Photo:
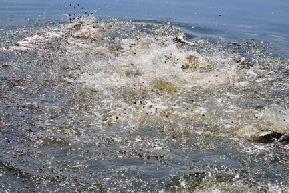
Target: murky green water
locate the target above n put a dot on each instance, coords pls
(134, 106)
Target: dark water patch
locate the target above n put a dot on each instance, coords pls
(270, 137)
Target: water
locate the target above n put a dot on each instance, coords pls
(155, 96)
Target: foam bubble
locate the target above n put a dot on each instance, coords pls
(277, 116)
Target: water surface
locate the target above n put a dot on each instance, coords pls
(157, 96)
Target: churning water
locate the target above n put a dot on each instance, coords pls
(119, 105)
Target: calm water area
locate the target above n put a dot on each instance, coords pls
(144, 96)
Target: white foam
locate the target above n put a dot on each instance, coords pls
(277, 116)
(37, 41)
(156, 59)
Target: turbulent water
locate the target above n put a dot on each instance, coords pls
(123, 106)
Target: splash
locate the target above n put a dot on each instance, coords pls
(112, 99)
(151, 71)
